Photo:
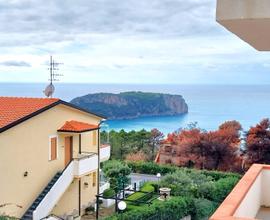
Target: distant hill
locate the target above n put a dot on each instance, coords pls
(127, 105)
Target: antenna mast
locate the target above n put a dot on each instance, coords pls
(49, 90)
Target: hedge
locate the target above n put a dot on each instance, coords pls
(222, 188)
(203, 209)
(175, 208)
(143, 197)
(153, 168)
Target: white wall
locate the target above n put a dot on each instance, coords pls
(265, 200)
(252, 201)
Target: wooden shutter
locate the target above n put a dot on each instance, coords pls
(53, 148)
(95, 138)
(94, 179)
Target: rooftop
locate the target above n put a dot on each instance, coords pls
(76, 126)
(14, 108)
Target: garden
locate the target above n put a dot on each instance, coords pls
(195, 193)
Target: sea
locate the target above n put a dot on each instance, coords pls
(209, 105)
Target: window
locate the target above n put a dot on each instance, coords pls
(94, 179)
(53, 148)
(94, 137)
(168, 149)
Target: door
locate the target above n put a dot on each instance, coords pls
(68, 150)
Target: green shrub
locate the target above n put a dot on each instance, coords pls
(108, 193)
(187, 184)
(222, 188)
(216, 175)
(117, 172)
(203, 209)
(175, 208)
(153, 168)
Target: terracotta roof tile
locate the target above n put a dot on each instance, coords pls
(15, 108)
(76, 126)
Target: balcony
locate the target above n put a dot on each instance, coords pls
(105, 152)
(85, 163)
(250, 199)
(248, 19)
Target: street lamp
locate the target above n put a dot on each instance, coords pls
(122, 205)
(158, 176)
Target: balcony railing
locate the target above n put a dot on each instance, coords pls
(105, 152)
(85, 163)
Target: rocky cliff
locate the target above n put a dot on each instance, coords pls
(128, 105)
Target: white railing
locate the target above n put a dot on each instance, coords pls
(105, 152)
(52, 197)
(82, 165)
(85, 164)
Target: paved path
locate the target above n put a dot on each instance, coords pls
(137, 178)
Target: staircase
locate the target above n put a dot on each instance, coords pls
(28, 215)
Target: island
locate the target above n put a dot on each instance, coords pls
(129, 105)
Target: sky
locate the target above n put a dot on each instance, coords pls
(124, 41)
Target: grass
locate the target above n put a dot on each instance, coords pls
(148, 188)
(144, 196)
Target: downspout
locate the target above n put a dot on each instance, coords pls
(80, 197)
(80, 143)
(98, 171)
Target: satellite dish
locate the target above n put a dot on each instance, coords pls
(49, 90)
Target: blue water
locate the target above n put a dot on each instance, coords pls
(209, 105)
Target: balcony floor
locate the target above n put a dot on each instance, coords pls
(263, 214)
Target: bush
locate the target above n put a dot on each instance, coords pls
(203, 209)
(222, 188)
(175, 208)
(153, 168)
(187, 184)
(108, 193)
(117, 172)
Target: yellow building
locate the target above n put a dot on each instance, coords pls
(49, 158)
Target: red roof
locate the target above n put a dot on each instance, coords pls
(13, 109)
(76, 126)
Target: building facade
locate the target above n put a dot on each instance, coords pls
(49, 160)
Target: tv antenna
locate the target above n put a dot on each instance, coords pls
(53, 67)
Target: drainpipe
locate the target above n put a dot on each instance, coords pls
(80, 143)
(79, 197)
(98, 172)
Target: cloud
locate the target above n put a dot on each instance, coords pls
(15, 63)
(119, 41)
(29, 22)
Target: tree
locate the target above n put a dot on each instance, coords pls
(117, 173)
(208, 150)
(156, 137)
(258, 143)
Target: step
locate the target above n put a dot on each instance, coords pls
(27, 217)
